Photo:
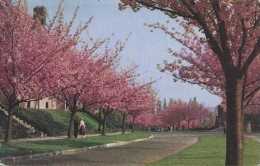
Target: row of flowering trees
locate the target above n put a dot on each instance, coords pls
(178, 114)
(39, 60)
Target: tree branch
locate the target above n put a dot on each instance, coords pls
(251, 57)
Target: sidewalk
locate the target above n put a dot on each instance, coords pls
(58, 137)
(254, 137)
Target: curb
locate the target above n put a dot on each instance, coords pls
(193, 142)
(58, 137)
(71, 151)
(253, 137)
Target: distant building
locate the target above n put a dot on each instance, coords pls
(47, 103)
(23, 5)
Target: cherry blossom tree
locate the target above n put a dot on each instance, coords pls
(73, 77)
(148, 120)
(179, 114)
(196, 112)
(174, 114)
(206, 72)
(132, 93)
(113, 93)
(144, 102)
(229, 31)
(27, 51)
(79, 79)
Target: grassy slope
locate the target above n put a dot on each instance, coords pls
(63, 117)
(55, 145)
(53, 122)
(210, 151)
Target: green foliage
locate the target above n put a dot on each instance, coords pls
(210, 151)
(53, 122)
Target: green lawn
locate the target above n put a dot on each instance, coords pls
(210, 151)
(53, 122)
(24, 148)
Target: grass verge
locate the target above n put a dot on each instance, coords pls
(210, 151)
(25, 148)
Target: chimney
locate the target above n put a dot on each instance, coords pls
(23, 5)
(40, 14)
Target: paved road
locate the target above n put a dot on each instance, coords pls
(136, 154)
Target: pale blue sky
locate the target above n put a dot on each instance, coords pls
(144, 48)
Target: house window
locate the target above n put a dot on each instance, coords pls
(46, 105)
(28, 104)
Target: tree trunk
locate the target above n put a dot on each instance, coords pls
(71, 124)
(123, 123)
(76, 128)
(99, 120)
(8, 131)
(234, 131)
(103, 132)
(133, 125)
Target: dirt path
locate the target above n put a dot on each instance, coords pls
(136, 154)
